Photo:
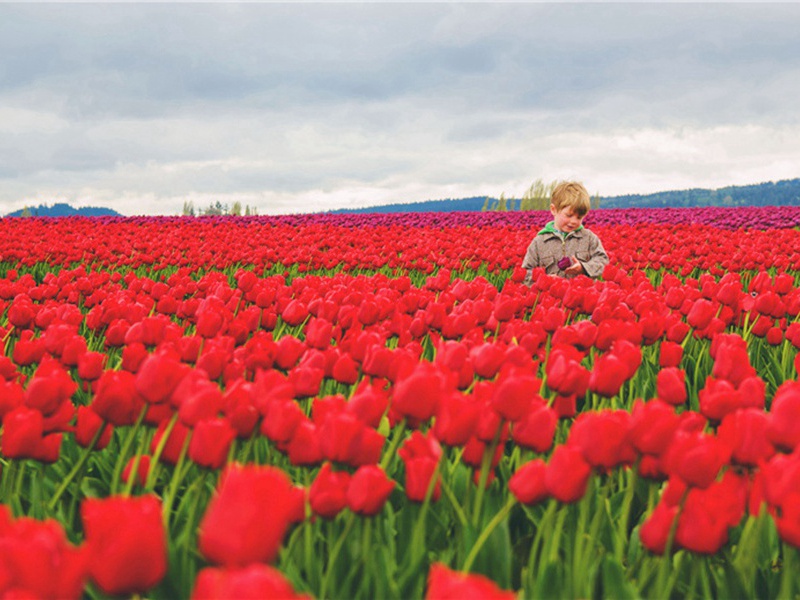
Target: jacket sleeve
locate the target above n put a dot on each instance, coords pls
(598, 259)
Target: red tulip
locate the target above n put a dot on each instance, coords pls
(328, 493)
(116, 399)
(50, 386)
(655, 530)
(565, 374)
(418, 394)
(671, 386)
(456, 419)
(783, 428)
(133, 356)
(745, 432)
(536, 429)
(210, 442)
(251, 581)
(304, 446)
(126, 543)
(652, 426)
(421, 455)
(38, 561)
(696, 458)
(369, 490)
(515, 390)
(444, 584)
(87, 426)
(369, 403)
(567, 474)
(486, 359)
(158, 376)
(12, 395)
(234, 530)
(602, 438)
(90, 365)
(608, 375)
(528, 482)
(701, 313)
(670, 354)
(23, 433)
(707, 514)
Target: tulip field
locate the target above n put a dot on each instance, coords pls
(377, 406)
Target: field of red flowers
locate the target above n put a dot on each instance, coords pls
(376, 406)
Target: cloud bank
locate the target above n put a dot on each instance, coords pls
(311, 107)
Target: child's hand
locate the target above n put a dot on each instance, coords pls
(575, 269)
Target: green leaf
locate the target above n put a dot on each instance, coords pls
(550, 581)
(91, 487)
(614, 583)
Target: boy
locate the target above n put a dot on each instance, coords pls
(565, 247)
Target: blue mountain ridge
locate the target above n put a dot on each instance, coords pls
(63, 209)
(781, 193)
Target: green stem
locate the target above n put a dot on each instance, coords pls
(335, 554)
(175, 482)
(36, 485)
(366, 555)
(462, 516)
(788, 573)
(488, 530)
(9, 474)
(556, 539)
(134, 472)
(666, 560)
(75, 469)
(622, 531)
(582, 540)
(388, 457)
(308, 538)
(544, 526)
(162, 442)
(417, 547)
(17, 494)
(486, 465)
(417, 536)
(126, 446)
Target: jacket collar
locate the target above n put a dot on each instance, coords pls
(551, 228)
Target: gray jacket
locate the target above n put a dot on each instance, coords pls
(549, 246)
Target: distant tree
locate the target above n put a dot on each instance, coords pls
(236, 209)
(537, 197)
(246, 210)
(485, 206)
(26, 212)
(188, 208)
(595, 202)
(502, 205)
(216, 209)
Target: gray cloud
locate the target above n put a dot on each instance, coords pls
(313, 106)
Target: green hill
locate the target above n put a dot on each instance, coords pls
(779, 193)
(65, 210)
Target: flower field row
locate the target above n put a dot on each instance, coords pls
(400, 244)
(339, 407)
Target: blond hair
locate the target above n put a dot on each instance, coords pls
(572, 194)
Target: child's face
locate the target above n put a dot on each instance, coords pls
(566, 219)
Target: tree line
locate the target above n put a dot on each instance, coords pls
(218, 208)
(536, 197)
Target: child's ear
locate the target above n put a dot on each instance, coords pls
(553, 209)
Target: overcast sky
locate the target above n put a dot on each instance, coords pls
(315, 106)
